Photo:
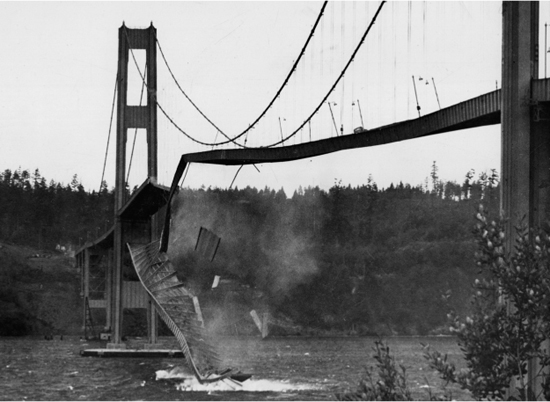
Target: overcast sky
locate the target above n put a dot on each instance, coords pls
(59, 62)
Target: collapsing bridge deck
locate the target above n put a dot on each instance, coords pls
(480, 111)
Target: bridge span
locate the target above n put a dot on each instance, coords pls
(522, 106)
(476, 112)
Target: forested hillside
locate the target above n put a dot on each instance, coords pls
(40, 214)
(368, 259)
(351, 258)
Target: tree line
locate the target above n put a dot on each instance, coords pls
(361, 258)
(43, 214)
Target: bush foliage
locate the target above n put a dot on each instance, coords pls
(385, 382)
(509, 319)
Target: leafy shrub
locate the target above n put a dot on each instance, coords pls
(391, 384)
(500, 338)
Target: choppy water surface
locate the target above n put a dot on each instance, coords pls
(283, 369)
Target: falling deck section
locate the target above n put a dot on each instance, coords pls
(177, 308)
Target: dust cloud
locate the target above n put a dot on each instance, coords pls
(255, 250)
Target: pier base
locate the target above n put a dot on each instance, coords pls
(142, 353)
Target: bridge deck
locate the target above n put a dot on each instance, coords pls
(480, 111)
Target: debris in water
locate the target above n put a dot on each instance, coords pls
(175, 372)
(190, 383)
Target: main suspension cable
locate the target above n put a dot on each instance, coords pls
(185, 94)
(285, 82)
(337, 80)
(302, 125)
(155, 97)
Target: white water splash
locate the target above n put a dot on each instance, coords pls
(190, 383)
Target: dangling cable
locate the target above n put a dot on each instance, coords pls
(416, 96)
(215, 138)
(436, 95)
(360, 114)
(236, 174)
(333, 120)
(185, 174)
(109, 136)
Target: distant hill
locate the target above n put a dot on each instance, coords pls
(39, 292)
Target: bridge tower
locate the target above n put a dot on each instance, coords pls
(521, 134)
(525, 129)
(132, 117)
(109, 281)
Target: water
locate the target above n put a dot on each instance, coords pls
(293, 368)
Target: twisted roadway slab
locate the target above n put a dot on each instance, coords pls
(476, 112)
(481, 111)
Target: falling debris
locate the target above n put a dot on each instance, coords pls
(262, 324)
(256, 319)
(265, 329)
(198, 309)
(207, 244)
(176, 307)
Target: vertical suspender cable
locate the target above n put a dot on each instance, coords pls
(394, 51)
(322, 57)
(353, 67)
(361, 41)
(109, 136)
(343, 42)
(409, 16)
(416, 96)
(366, 72)
(312, 80)
(253, 124)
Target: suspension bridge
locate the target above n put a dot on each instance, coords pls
(142, 222)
